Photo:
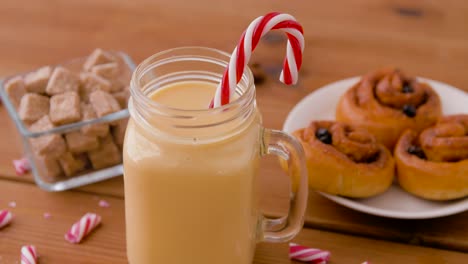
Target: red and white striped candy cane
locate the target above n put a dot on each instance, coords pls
(248, 42)
(308, 255)
(82, 228)
(5, 217)
(22, 166)
(28, 255)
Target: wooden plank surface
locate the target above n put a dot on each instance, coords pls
(107, 243)
(343, 38)
(447, 232)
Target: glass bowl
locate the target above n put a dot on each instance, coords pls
(89, 175)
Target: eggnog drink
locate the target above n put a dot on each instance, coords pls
(190, 200)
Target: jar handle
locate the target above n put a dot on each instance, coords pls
(288, 148)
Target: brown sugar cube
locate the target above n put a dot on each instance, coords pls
(83, 157)
(36, 82)
(41, 125)
(111, 72)
(15, 90)
(103, 103)
(122, 97)
(107, 155)
(61, 81)
(108, 71)
(33, 107)
(70, 164)
(117, 86)
(78, 142)
(97, 57)
(65, 108)
(52, 145)
(91, 82)
(118, 131)
(100, 130)
(48, 167)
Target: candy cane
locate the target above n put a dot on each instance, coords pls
(309, 255)
(248, 42)
(22, 166)
(82, 228)
(5, 217)
(28, 255)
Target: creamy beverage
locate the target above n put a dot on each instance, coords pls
(186, 201)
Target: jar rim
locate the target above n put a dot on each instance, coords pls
(140, 70)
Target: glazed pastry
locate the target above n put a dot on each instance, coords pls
(344, 160)
(386, 102)
(434, 164)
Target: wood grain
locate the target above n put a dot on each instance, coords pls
(343, 39)
(107, 243)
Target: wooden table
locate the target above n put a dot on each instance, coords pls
(343, 38)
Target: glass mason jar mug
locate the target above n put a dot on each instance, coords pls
(190, 174)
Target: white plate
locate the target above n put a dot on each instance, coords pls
(394, 203)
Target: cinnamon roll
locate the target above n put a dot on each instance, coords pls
(386, 102)
(345, 160)
(433, 164)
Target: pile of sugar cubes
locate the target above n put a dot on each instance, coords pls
(50, 97)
